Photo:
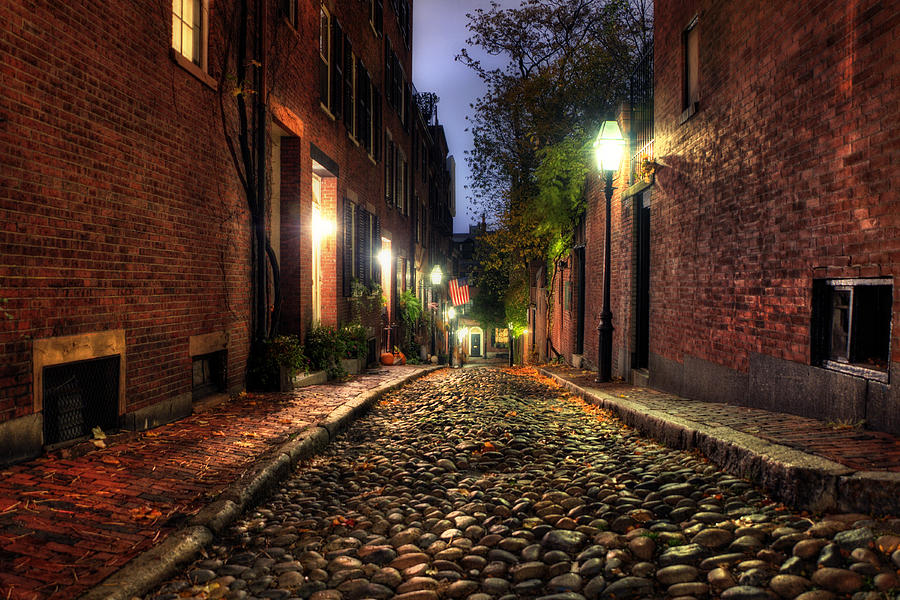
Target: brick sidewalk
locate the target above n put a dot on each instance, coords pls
(856, 448)
(69, 521)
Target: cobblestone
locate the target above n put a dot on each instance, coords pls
(547, 497)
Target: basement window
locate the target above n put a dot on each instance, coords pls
(79, 396)
(851, 326)
(209, 372)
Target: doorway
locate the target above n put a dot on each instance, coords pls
(316, 250)
(641, 354)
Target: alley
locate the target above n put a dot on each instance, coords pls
(486, 483)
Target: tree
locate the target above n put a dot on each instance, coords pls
(563, 65)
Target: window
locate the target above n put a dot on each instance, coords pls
(401, 188)
(350, 91)
(189, 30)
(567, 295)
(324, 56)
(288, 10)
(851, 326)
(691, 78)
(376, 15)
(390, 180)
(361, 245)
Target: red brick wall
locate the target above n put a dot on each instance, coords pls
(785, 173)
(117, 204)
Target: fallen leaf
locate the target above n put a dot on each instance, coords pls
(99, 443)
(98, 433)
(110, 460)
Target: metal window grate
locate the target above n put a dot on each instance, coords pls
(79, 396)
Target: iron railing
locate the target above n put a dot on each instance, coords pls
(640, 98)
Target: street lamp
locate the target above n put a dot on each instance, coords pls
(608, 149)
(436, 276)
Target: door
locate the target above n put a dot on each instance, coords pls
(475, 344)
(642, 281)
(316, 250)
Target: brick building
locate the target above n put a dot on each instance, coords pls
(773, 222)
(124, 234)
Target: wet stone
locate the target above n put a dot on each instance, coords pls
(789, 586)
(565, 540)
(676, 574)
(570, 582)
(855, 538)
(687, 554)
(628, 588)
(745, 592)
(841, 581)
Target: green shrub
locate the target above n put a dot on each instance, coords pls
(266, 359)
(355, 340)
(324, 347)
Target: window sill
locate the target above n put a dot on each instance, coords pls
(689, 112)
(856, 371)
(204, 77)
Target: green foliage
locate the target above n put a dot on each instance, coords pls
(364, 299)
(325, 348)
(267, 358)
(410, 309)
(354, 338)
(562, 66)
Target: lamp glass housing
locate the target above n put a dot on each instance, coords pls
(609, 147)
(451, 312)
(436, 275)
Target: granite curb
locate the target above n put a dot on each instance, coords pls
(151, 568)
(789, 475)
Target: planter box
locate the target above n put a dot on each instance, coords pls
(353, 365)
(314, 378)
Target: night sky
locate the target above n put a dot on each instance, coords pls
(439, 32)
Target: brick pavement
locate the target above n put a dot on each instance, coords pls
(74, 516)
(854, 447)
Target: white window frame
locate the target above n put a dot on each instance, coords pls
(200, 30)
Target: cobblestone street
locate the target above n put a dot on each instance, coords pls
(495, 484)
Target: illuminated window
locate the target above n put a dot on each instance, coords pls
(189, 27)
(691, 87)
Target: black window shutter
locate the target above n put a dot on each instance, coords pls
(362, 246)
(379, 16)
(337, 68)
(376, 116)
(362, 100)
(388, 69)
(347, 250)
(348, 87)
(376, 250)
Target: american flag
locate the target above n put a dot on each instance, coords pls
(459, 291)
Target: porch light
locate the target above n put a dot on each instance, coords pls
(451, 313)
(384, 257)
(436, 275)
(609, 147)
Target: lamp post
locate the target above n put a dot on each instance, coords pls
(608, 149)
(436, 276)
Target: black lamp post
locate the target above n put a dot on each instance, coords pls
(608, 148)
